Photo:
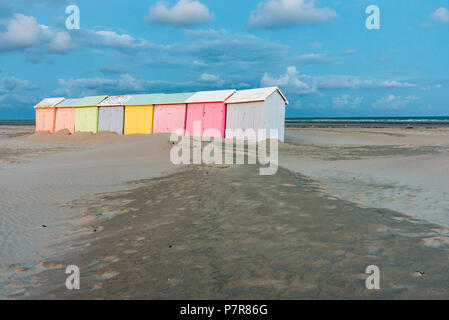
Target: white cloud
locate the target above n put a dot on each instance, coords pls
(127, 84)
(349, 52)
(313, 58)
(61, 43)
(394, 84)
(103, 39)
(355, 82)
(107, 69)
(441, 14)
(346, 101)
(316, 44)
(393, 102)
(94, 85)
(21, 32)
(297, 83)
(184, 13)
(114, 40)
(289, 13)
(290, 82)
(205, 33)
(11, 84)
(235, 52)
(427, 25)
(206, 77)
(14, 91)
(24, 32)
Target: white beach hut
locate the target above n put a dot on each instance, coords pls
(262, 108)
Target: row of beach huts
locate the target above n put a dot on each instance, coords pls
(262, 108)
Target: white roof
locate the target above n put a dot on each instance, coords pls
(210, 96)
(115, 101)
(254, 95)
(49, 103)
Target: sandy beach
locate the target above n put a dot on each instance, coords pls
(139, 227)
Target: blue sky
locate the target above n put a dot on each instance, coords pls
(320, 53)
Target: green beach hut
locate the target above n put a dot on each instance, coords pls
(86, 114)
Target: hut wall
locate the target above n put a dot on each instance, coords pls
(247, 115)
(65, 119)
(168, 118)
(212, 116)
(274, 115)
(138, 119)
(45, 119)
(86, 119)
(111, 119)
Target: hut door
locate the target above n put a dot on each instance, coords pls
(214, 118)
(195, 113)
(116, 119)
(110, 120)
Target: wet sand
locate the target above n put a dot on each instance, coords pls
(396, 169)
(225, 232)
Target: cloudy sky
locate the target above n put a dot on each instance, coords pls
(320, 52)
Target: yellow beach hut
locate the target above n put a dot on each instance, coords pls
(139, 112)
(86, 114)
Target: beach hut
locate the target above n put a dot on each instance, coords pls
(262, 108)
(46, 114)
(65, 115)
(170, 112)
(209, 109)
(86, 114)
(139, 113)
(111, 114)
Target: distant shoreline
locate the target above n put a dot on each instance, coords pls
(374, 122)
(16, 122)
(356, 122)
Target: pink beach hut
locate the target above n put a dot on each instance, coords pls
(46, 114)
(170, 112)
(65, 115)
(207, 108)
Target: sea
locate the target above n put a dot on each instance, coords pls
(364, 122)
(375, 122)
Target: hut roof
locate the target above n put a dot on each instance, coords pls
(254, 95)
(144, 99)
(174, 98)
(68, 103)
(49, 103)
(90, 101)
(115, 101)
(211, 96)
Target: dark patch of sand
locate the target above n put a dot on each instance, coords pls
(331, 153)
(229, 233)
